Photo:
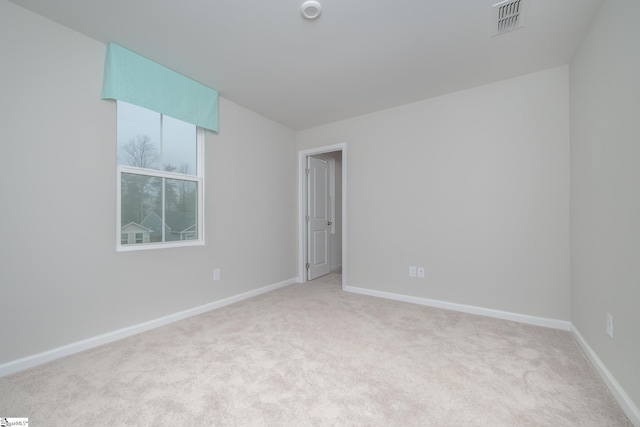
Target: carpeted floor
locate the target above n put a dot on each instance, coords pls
(311, 354)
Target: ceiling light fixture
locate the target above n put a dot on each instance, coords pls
(311, 9)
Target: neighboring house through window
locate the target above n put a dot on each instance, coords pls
(134, 233)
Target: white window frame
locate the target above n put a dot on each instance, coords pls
(198, 178)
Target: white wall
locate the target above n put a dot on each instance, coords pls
(474, 186)
(61, 280)
(605, 197)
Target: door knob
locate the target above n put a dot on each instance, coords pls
(329, 223)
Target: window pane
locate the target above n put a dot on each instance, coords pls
(141, 207)
(181, 202)
(178, 146)
(142, 214)
(147, 139)
(138, 137)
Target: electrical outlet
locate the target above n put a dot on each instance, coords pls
(421, 272)
(610, 325)
(216, 274)
(412, 271)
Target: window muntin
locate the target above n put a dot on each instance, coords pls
(160, 180)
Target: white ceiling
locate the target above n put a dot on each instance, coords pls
(360, 56)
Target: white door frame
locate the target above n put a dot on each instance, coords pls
(302, 200)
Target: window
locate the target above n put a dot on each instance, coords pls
(160, 180)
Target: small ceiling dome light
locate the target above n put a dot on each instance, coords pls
(311, 9)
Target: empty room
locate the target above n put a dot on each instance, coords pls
(389, 213)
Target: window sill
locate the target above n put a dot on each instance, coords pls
(147, 246)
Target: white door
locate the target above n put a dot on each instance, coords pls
(318, 218)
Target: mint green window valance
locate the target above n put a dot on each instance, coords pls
(137, 80)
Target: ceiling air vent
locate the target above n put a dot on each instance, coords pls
(508, 15)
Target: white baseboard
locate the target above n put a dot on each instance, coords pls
(623, 399)
(56, 353)
(522, 318)
(336, 267)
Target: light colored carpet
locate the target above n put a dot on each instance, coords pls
(311, 354)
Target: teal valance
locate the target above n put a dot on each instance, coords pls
(137, 80)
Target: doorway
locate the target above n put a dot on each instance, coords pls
(322, 185)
